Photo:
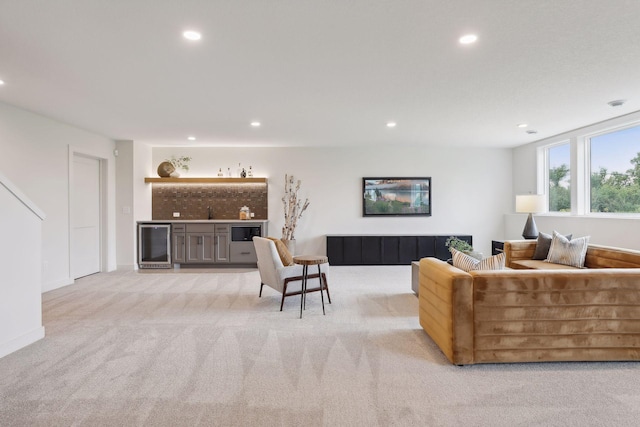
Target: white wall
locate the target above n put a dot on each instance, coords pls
(124, 204)
(620, 232)
(471, 188)
(604, 230)
(35, 156)
(20, 254)
(133, 199)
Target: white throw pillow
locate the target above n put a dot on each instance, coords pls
(468, 263)
(568, 252)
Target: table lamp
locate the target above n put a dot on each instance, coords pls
(530, 203)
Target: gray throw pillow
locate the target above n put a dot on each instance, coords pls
(543, 245)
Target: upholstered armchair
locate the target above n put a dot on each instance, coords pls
(286, 279)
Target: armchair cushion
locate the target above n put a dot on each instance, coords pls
(283, 251)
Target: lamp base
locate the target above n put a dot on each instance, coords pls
(530, 230)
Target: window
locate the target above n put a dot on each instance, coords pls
(559, 174)
(615, 171)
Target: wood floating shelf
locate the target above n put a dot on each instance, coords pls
(206, 180)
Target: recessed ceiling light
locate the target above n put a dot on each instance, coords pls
(523, 125)
(191, 138)
(391, 124)
(256, 124)
(468, 39)
(617, 102)
(192, 35)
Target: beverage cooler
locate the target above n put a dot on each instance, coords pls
(154, 245)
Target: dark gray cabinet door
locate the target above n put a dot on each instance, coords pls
(222, 247)
(179, 248)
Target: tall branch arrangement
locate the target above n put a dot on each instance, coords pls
(293, 209)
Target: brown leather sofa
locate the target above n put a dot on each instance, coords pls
(534, 312)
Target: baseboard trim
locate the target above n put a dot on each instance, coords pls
(46, 287)
(21, 341)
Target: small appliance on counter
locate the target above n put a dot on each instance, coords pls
(245, 213)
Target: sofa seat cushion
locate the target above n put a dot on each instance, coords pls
(534, 264)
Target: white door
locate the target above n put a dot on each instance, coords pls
(85, 216)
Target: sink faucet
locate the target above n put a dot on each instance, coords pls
(209, 213)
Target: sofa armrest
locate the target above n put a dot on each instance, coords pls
(446, 308)
(518, 250)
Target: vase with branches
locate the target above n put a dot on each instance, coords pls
(293, 208)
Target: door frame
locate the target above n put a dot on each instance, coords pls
(103, 166)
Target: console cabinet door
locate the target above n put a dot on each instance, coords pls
(335, 250)
(387, 250)
(352, 250)
(371, 250)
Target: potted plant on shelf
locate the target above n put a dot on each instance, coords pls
(179, 163)
(455, 243)
(293, 209)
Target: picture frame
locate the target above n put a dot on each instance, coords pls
(396, 196)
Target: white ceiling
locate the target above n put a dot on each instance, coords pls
(322, 72)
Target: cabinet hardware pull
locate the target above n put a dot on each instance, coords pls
(245, 253)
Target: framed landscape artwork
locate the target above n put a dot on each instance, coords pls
(396, 196)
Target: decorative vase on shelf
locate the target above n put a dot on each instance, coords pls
(165, 169)
(175, 174)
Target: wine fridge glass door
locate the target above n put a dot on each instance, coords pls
(154, 248)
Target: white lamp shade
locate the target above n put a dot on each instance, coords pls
(530, 203)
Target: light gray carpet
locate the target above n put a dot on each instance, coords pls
(200, 348)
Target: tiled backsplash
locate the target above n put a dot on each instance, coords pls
(192, 200)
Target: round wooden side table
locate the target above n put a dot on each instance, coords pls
(305, 261)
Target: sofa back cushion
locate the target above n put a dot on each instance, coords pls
(599, 256)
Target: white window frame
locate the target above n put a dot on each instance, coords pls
(579, 167)
(543, 172)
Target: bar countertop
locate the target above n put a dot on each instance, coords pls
(203, 221)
